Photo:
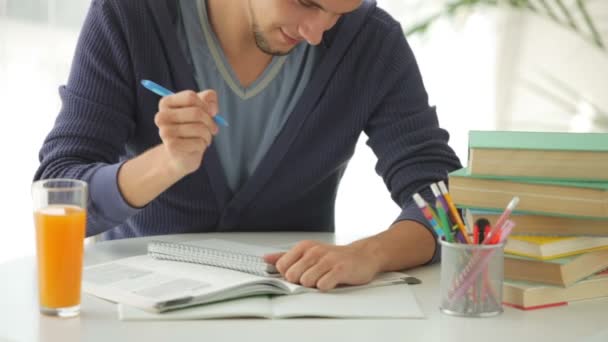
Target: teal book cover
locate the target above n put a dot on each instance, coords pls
(539, 197)
(550, 141)
(464, 172)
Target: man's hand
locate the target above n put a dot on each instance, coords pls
(324, 266)
(186, 127)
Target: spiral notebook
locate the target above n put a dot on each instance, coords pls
(216, 252)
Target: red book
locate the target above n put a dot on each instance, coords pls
(528, 308)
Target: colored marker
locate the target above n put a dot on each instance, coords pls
(428, 213)
(507, 228)
(455, 215)
(476, 234)
(443, 218)
(162, 91)
(502, 219)
(439, 196)
(484, 227)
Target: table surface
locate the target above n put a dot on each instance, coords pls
(20, 321)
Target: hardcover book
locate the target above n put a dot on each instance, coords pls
(541, 155)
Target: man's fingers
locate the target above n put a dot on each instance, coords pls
(186, 116)
(186, 98)
(273, 258)
(206, 100)
(294, 255)
(295, 271)
(193, 130)
(209, 99)
(329, 280)
(181, 115)
(311, 277)
(288, 259)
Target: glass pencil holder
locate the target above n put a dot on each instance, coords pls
(471, 279)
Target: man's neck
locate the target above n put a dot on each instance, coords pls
(231, 22)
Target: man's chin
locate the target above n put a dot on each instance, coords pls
(277, 49)
(276, 52)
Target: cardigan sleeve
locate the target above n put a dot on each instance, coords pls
(404, 132)
(96, 118)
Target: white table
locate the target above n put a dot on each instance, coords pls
(20, 321)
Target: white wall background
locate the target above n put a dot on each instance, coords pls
(459, 66)
(550, 78)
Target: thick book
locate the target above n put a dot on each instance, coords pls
(546, 225)
(540, 155)
(393, 301)
(155, 285)
(532, 296)
(560, 272)
(217, 252)
(552, 247)
(569, 199)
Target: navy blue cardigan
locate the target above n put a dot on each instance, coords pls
(367, 82)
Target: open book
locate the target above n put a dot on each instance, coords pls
(161, 285)
(394, 301)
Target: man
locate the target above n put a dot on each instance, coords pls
(297, 80)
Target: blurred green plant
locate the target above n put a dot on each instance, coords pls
(574, 16)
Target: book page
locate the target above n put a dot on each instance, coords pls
(257, 306)
(395, 301)
(392, 301)
(157, 285)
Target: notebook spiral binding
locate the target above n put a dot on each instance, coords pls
(212, 257)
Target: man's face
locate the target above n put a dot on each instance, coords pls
(279, 25)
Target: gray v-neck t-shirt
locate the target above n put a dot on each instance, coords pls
(256, 113)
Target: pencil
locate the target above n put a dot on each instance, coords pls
(502, 219)
(455, 215)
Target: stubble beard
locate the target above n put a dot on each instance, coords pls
(260, 40)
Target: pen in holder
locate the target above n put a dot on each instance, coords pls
(471, 279)
(472, 275)
(471, 271)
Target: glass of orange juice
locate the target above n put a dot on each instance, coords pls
(60, 220)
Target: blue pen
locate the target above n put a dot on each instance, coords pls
(162, 91)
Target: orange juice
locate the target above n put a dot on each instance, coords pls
(60, 231)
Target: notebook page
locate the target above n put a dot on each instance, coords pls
(145, 282)
(235, 247)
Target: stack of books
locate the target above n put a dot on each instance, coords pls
(559, 248)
